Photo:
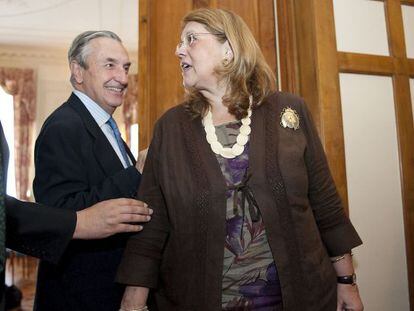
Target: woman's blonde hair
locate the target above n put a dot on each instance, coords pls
(247, 73)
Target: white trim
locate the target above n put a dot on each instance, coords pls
(278, 72)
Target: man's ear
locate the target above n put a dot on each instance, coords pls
(77, 72)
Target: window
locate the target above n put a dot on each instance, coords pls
(134, 134)
(7, 121)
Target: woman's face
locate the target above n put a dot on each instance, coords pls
(200, 53)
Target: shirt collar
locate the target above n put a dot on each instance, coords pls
(99, 114)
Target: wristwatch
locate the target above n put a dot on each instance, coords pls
(347, 279)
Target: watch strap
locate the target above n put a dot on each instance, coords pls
(347, 279)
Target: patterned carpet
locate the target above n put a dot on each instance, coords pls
(21, 271)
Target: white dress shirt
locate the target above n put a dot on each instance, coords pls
(101, 117)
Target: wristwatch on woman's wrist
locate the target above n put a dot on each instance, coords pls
(347, 279)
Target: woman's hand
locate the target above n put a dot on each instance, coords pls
(348, 294)
(348, 298)
(135, 298)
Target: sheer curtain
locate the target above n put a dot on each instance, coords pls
(21, 84)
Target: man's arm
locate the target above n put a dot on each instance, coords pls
(45, 232)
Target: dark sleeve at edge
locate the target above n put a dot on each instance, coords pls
(37, 230)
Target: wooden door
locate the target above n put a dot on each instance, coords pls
(160, 82)
(325, 67)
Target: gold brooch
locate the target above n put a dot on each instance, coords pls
(289, 118)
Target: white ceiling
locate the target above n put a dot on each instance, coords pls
(55, 23)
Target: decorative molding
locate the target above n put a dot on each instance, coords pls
(22, 7)
(47, 55)
(24, 53)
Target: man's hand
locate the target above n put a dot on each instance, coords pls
(142, 156)
(110, 217)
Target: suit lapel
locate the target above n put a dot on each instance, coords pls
(130, 155)
(104, 153)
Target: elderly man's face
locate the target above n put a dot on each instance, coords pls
(106, 78)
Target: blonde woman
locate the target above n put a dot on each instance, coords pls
(246, 214)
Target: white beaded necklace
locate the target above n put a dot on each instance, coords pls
(242, 138)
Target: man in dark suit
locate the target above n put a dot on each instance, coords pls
(45, 232)
(80, 159)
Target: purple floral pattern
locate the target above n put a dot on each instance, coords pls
(250, 279)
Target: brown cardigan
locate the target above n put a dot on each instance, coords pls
(180, 252)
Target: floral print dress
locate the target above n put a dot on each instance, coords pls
(250, 279)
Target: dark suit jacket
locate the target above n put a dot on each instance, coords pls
(35, 230)
(76, 167)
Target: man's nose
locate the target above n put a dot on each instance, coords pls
(122, 76)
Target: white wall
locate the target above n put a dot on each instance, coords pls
(52, 78)
(37, 34)
(408, 19)
(374, 188)
(366, 32)
(54, 23)
(412, 94)
(372, 160)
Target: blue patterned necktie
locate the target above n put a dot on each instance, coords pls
(2, 215)
(119, 140)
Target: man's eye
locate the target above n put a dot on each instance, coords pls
(109, 65)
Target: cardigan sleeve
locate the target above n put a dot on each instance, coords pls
(142, 256)
(337, 232)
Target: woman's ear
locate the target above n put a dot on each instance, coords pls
(228, 52)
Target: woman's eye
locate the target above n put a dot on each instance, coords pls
(191, 39)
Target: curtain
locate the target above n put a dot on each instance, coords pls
(21, 84)
(130, 106)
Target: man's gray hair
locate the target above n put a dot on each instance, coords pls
(79, 50)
